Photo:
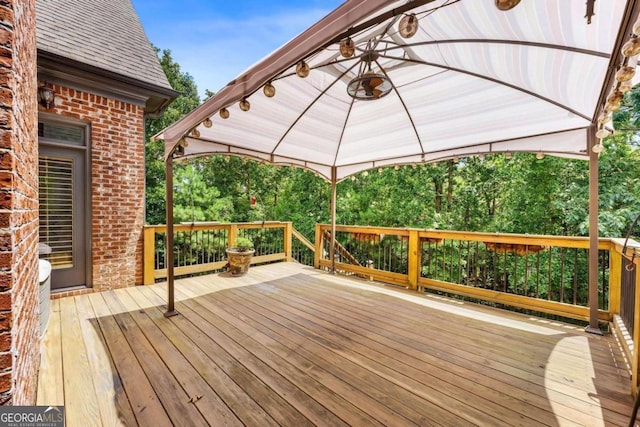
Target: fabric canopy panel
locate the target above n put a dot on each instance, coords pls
(473, 79)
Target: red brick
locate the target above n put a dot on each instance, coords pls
(5, 382)
(5, 342)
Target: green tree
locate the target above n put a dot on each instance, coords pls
(154, 150)
(195, 200)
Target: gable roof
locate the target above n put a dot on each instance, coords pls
(105, 34)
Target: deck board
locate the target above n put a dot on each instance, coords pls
(143, 400)
(108, 386)
(255, 383)
(50, 391)
(289, 345)
(80, 398)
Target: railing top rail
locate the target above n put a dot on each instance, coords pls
(217, 225)
(632, 246)
(530, 239)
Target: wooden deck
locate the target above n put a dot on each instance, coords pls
(292, 346)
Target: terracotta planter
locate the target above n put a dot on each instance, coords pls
(238, 261)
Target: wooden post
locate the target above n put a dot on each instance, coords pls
(149, 255)
(615, 280)
(288, 241)
(413, 267)
(317, 254)
(233, 235)
(635, 363)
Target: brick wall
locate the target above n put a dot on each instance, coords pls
(19, 340)
(117, 183)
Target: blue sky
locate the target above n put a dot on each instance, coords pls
(216, 40)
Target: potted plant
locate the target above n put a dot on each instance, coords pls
(239, 256)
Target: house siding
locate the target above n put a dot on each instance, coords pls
(117, 183)
(19, 331)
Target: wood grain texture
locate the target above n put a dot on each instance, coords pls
(80, 398)
(50, 379)
(290, 345)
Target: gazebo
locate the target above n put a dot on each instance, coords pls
(378, 83)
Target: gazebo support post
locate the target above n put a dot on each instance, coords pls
(171, 311)
(332, 248)
(593, 234)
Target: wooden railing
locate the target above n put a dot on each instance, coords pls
(540, 273)
(200, 247)
(625, 266)
(302, 250)
(546, 274)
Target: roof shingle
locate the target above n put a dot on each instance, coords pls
(103, 33)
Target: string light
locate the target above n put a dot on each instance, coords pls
(631, 47)
(602, 133)
(347, 47)
(408, 26)
(269, 90)
(302, 69)
(506, 4)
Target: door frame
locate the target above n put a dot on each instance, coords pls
(86, 148)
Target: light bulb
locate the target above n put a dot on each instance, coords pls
(631, 47)
(625, 87)
(636, 27)
(598, 148)
(302, 69)
(207, 122)
(612, 106)
(244, 104)
(195, 133)
(615, 97)
(539, 155)
(604, 118)
(625, 73)
(602, 133)
(224, 113)
(347, 47)
(506, 4)
(408, 26)
(269, 90)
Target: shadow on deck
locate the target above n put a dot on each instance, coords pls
(289, 345)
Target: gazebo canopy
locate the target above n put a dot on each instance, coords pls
(473, 79)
